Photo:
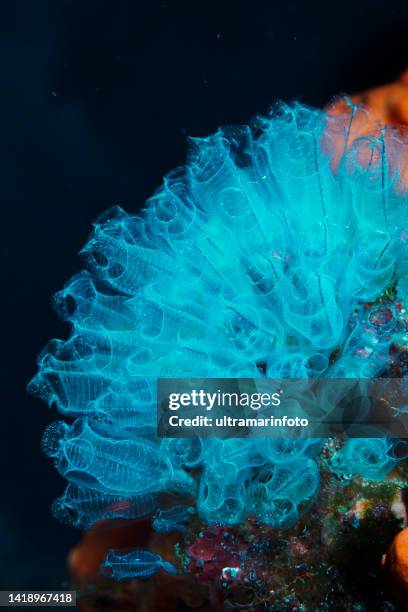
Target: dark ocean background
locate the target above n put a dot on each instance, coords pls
(96, 101)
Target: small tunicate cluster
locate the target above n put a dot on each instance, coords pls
(121, 565)
(175, 518)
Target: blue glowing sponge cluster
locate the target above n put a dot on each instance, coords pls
(266, 255)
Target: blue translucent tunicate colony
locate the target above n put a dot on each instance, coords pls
(257, 258)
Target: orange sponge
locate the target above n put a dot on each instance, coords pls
(395, 562)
